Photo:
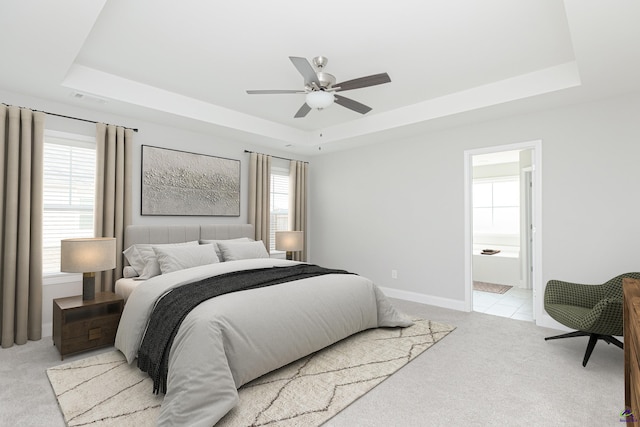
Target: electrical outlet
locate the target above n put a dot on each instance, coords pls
(394, 274)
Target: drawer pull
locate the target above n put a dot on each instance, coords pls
(95, 333)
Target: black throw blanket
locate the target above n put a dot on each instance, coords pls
(173, 307)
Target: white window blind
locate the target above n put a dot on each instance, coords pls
(496, 205)
(279, 204)
(69, 188)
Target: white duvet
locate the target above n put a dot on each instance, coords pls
(232, 339)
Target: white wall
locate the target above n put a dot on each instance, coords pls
(500, 169)
(400, 205)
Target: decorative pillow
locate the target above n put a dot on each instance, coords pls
(128, 272)
(233, 251)
(181, 257)
(140, 254)
(151, 269)
(215, 244)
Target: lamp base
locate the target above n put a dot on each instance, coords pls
(289, 255)
(88, 286)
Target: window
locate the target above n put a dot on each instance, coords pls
(279, 204)
(496, 205)
(69, 189)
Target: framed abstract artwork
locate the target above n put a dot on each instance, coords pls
(181, 183)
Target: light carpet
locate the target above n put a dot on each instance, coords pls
(104, 390)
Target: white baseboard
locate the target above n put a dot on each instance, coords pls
(424, 299)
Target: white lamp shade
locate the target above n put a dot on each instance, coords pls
(88, 255)
(290, 241)
(319, 99)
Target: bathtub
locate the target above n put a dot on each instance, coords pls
(502, 268)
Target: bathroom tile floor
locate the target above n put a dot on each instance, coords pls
(516, 303)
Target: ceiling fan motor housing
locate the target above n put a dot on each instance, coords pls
(320, 62)
(326, 80)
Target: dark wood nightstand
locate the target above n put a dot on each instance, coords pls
(80, 325)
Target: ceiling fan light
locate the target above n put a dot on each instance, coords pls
(319, 99)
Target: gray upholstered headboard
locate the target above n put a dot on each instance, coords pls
(184, 233)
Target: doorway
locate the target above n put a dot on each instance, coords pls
(502, 231)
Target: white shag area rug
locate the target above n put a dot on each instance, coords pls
(104, 390)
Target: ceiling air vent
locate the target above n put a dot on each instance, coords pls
(89, 98)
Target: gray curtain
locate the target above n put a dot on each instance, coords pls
(259, 182)
(21, 182)
(113, 193)
(298, 173)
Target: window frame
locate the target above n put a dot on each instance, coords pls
(74, 140)
(284, 172)
(493, 180)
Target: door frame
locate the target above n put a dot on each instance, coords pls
(536, 157)
(526, 226)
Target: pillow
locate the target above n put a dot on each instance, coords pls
(140, 254)
(180, 257)
(215, 243)
(128, 272)
(151, 269)
(233, 251)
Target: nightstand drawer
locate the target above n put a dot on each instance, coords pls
(82, 328)
(88, 334)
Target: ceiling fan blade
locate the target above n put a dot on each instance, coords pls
(273, 91)
(352, 105)
(303, 111)
(375, 79)
(306, 70)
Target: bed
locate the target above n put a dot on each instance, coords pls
(227, 341)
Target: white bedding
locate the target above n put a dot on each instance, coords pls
(232, 339)
(125, 286)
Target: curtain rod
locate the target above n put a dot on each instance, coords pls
(282, 158)
(69, 117)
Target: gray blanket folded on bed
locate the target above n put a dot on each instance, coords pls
(174, 306)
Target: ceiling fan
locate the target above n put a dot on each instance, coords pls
(320, 87)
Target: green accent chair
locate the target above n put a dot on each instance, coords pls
(593, 310)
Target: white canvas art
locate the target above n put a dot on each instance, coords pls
(180, 183)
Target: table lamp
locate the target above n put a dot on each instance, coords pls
(290, 241)
(86, 256)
